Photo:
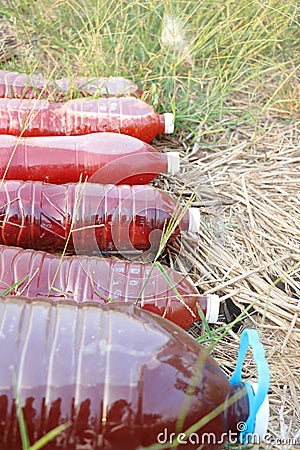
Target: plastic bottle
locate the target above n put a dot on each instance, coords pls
(100, 87)
(89, 217)
(123, 378)
(101, 157)
(93, 279)
(20, 85)
(127, 115)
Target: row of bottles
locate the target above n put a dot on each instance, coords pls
(83, 342)
(85, 194)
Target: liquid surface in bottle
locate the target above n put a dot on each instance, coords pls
(96, 279)
(125, 115)
(20, 85)
(100, 157)
(87, 218)
(123, 377)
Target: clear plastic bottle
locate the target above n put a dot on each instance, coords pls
(123, 378)
(100, 157)
(20, 85)
(127, 115)
(100, 87)
(100, 280)
(90, 218)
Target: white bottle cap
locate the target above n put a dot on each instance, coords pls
(169, 123)
(212, 308)
(262, 416)
(173, 160)
(194, 222)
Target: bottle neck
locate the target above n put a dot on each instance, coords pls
(190, 221)
(185, 222)
(162, 123)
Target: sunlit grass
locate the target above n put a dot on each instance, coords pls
(197, 54)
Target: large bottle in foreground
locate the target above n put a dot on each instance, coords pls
(123, 378)
(90, 218)
(161, 290)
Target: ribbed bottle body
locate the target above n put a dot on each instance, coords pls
(23, 86)
(127, 115)
(32, 273)
(87, 218)
(99, 157)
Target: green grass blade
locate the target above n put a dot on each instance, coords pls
(172, 285)
(13, 286)
(22, 423)
(49, 436)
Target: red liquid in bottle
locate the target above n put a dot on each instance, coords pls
(126, 115)
(88, 218)
(101, 157)
(124, 378)
(20, 85)
(94, 279)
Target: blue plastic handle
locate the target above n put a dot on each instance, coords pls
(250, 339)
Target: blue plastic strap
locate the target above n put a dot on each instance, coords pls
(250, 339)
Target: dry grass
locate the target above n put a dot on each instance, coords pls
(8, 42)
(285, 387)
(249, 249)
